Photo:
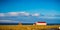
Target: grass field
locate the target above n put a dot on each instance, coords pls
(29, 27)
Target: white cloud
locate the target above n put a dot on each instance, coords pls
(18, 14)
(50, 17)
(2, 14)
(24, 13)
(27, 14)
(12, 13)
(7, 21)
(36, 14)
(15, 14)
(21, 12)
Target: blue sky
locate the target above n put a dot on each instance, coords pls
(43, 7)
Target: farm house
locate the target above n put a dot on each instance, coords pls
(40, 23)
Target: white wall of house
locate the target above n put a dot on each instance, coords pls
(41, 23)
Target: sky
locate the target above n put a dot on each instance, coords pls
(30, 10)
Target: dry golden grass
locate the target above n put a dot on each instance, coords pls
(27, 27)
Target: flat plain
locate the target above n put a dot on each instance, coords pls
(29, 27)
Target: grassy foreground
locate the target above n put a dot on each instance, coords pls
(29, 27)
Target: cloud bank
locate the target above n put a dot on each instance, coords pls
(18, 14)
(26, 14)
(36, 14)
(8, 21)
(2, 14)
(9, 17)
(12, 13)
